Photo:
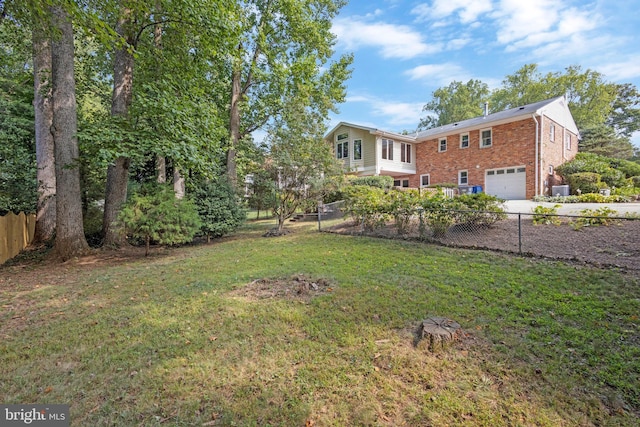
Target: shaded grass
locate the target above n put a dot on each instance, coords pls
(163, 341)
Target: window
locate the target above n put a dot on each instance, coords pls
(463, 178)
(387, 149)
(485, 138)
(464, 140)
(401, 183)
(405, 152)
(342, 148)
(425, 180)
(552, 132)
(357, 149)
(442, 145)
(550, 169)
(567, 141)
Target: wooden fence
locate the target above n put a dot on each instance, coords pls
(16, 233)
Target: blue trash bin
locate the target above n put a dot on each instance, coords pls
(477, 189)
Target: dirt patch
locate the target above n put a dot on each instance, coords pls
(298, 287)
(615, 245)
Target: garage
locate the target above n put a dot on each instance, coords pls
(507, 183)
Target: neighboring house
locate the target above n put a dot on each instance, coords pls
(512, 154)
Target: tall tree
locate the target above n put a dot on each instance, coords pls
(625, 114)
(456, 102)
(603, 140)
(589, 96)
(70, 240)
(118, 171)
(45, 159)
(523, 87)
(277, 41)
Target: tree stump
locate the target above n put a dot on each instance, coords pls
(437, 333)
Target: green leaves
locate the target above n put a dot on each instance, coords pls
(154, 214)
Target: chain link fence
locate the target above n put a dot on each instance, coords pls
(600, 240)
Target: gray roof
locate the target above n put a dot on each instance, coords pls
(505, 116)
(476, 122)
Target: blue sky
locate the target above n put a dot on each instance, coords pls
(404, 50)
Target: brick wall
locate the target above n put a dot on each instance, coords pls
(513, 144)
(555, 152)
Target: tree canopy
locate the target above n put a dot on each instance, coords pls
(606, 113)
(181, 82)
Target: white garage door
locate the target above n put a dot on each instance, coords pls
(507, 183)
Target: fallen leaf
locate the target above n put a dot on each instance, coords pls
(212, 338)
(48, 389)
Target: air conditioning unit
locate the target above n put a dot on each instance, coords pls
(560, 190)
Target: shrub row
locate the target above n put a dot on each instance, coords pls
(584, 198)
(373, 208)
(590, 172)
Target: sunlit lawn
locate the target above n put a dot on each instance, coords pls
(170, 340)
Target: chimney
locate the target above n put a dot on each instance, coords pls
(486, 109)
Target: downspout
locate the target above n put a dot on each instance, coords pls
(538, 160)
(376, 152)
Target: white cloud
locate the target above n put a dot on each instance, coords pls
(438, 74)
(467, 11)
(395, 114)
(525, 25)
(393, 41)
(621, 71)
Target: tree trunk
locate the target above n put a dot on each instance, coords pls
(118, 172)
(45, 159)
(161, 169)
(70, 240)
(115, 196)
(161, 161)
(234, 127)
(178, 183)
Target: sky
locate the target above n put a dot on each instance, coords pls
(405, 50)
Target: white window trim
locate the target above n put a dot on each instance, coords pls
(468, 140)
(482, 139)
(339, 145)
(404, 148)
(460, 172)
(354, 149)
(340, 149)
(567, 141)
(428, 178)
(440, 150)
(389, 150)
(551, 170)
(552, 132)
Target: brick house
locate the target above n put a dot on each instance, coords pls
(511, 154)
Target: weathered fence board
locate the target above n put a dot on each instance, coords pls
(16, 233)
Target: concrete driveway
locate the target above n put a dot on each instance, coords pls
(527, 206)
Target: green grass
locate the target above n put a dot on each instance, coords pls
(168, 340)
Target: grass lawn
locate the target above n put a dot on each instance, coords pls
(194, 336)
